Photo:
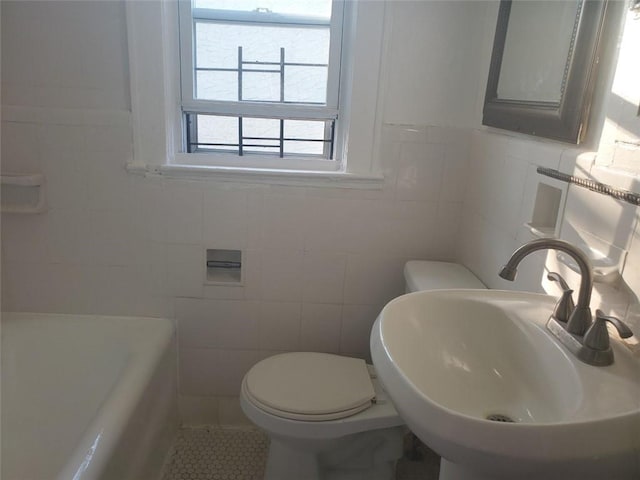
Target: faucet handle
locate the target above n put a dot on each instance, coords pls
(597, 337)
(565, 305)
(556, 277)
(623, 330)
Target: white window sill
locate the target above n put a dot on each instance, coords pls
(308, 178)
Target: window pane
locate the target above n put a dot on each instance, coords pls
(210, 51)
(261, 131)
(260, 136)
(303, 148)
(319, 8)
(218, 85)
(305, 84)
(304, 130)
(261, 86)
(217, 130)
(217, 47)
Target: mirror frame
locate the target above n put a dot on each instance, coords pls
(566, 120)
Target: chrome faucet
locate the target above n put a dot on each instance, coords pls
(580, 319)
(572, 325)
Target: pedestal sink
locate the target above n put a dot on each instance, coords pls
(476, 376)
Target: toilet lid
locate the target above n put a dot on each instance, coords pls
(300, 384)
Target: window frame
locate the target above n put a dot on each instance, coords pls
(328, 112)
(154, 64)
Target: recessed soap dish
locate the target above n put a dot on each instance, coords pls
(546, 211)
(22, 193)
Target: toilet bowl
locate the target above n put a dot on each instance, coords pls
(317, 409)
(327, 416)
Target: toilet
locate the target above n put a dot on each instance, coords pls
(327, 416)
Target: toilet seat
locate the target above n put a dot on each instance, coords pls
(310, 386)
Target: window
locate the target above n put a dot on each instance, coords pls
(260, 78)
(256, 90)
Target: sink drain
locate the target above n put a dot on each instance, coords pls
(498, 417)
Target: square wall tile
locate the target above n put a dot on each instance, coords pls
(447, 235)
(185, 270)
(116, 139)
(373, 280)
(223, 292)
(371, 227)
(283, 222)
(456, 172)
(326, 220)
(109, 185)
(68, 236)
(357, 321)
(224, 324)
(420, 171)
(199, 371)
(323, 277)
(252, 274)
(114, 238)
(66, 179)
(25, 238)
(213, 372)
(20, 148)
(123, 290)
(225, 215)
(233, 366)
(416, 228)
(183, 215)
(148, 207)
(196, 410)
(279, 326)
(281, 275)
(320, 331)
(52, 288)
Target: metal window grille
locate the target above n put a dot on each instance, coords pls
(270, 144)
(241, 70)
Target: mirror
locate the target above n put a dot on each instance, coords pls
(543, 67)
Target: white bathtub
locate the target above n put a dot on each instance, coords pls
(86, 397)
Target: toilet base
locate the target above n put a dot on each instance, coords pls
(368, 455)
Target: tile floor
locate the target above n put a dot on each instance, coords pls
(239, 453)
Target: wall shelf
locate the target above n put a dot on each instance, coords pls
(22, 193)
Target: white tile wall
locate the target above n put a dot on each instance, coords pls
(323, 277)
(503, 167)
(281, 277)
(279, 327)
(65, 54)
(320, 327)
(318, 263)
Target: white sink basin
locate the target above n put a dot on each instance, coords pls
(450, 359)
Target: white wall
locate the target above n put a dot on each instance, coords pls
(433, 61)
(319, 262)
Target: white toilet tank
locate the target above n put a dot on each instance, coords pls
(427, 275)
